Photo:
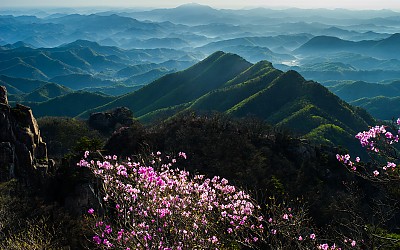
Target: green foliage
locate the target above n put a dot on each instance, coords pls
(88, 144)
(277, 185)
(248, 152)
(64, 135)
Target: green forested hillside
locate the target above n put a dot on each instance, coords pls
(227, 83)
(184, 86)
(20, 85)
(43, 93)
(69, 105)
(359, 89)
(381, 107)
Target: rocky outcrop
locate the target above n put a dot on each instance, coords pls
(111, 120)
(3, 95)
(22, 150)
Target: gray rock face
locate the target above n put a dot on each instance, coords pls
(3, 95)
(22, 149)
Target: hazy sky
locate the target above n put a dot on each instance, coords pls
(350, 4)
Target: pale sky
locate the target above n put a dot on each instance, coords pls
(331, 4)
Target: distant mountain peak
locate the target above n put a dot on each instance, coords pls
(22, 44)
(394, 37)
(325, 39)
(81, 42)
(193, 5)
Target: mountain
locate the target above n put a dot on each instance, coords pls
(43, 93)
(285, 41)
(383, 48)
(98, 23)
(69, 105)
(21, 69)
(80, 81)
(247, 83)
(171, 65)
(173, 43)
(328, 70)
(292, 101)
(184, 86)
(352, 35)
(381, 107)
(136, 69)
(180, 64)
(357, 90)
(226, 83)
(326, 44)
(358, 61)
(49, 66)
(84, 57)
(114, 90)
(256, 53)
(20, 85)
(17, 45)
(147, 77)
(190, 14)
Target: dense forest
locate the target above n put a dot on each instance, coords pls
(276, 167)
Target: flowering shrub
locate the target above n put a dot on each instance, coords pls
(153, 206)
(379, 142)
(289, 226)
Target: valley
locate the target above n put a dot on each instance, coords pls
(117, 52)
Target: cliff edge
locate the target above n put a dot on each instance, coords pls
(22, 150)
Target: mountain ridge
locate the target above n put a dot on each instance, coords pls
(282, 98)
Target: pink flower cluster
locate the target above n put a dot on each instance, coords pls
(326, 246)
(163, 208)
(367, 138)
(346, 159)
(371, 139)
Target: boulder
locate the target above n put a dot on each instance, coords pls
(111, 120)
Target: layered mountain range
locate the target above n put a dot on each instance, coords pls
(116, 52)
(229, 84)
(162, 62)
